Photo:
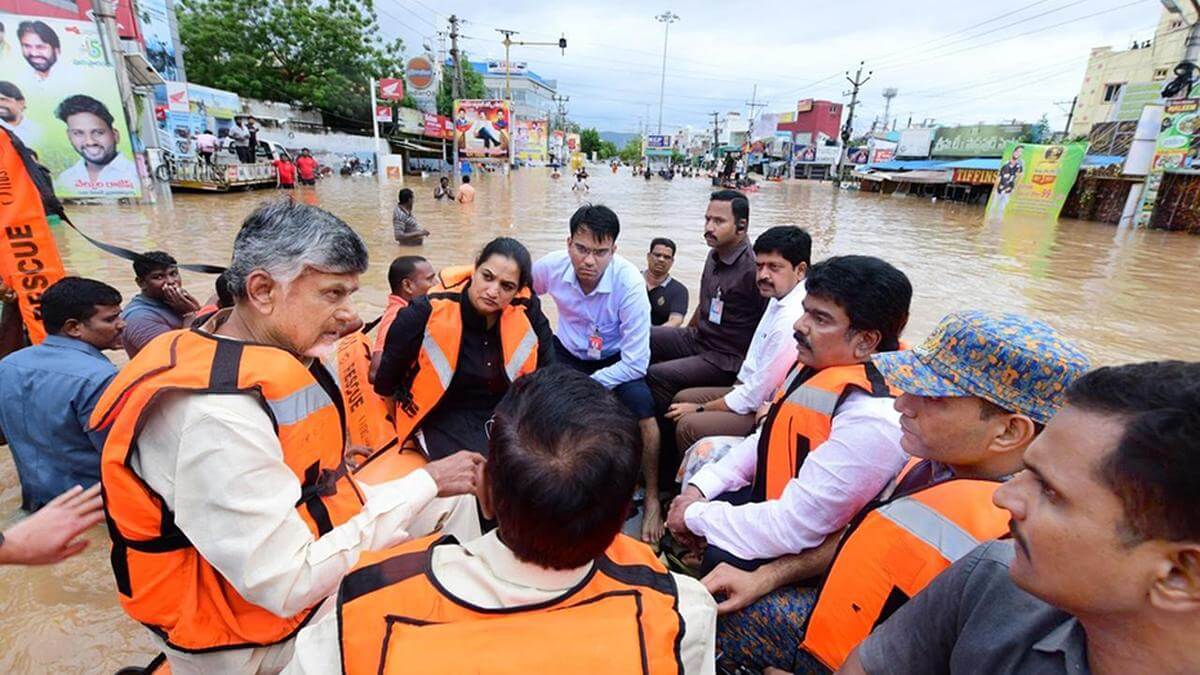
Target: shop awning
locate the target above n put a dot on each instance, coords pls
(928, 177)
(141, 73)
(907, 164)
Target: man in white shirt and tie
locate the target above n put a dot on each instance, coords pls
(782, 255)
(604, 328)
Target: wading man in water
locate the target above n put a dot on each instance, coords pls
(230, 507)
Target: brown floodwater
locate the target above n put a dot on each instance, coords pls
(1123, 295)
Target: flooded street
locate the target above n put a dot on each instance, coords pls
(1123, 295)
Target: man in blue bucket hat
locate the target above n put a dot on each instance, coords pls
(974, 395)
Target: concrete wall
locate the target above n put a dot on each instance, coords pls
(1108, 66)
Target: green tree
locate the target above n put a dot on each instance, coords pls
(632, 152)
(608, 150)
(589, 141)
(319, 54)
(473, 87)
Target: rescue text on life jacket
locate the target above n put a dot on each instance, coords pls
(438, 358)
(891, 551)
(395, 617)
(801, 419)
(162, 580)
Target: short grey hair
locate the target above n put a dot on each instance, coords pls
(284, 238)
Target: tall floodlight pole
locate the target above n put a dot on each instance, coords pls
(666, 18)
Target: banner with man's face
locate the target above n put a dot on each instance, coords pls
(59, 95)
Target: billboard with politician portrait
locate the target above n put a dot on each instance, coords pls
(483, 128)
(531, 140)
(59, 95)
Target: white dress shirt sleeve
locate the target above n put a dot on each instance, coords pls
(634, 315)
(234, 498)
(836, 481)
(776, 356)
(732, 472)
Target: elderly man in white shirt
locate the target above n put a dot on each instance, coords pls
(604, 328)
(831, 440)
(229, 502)
(782, 255)
(548, 590)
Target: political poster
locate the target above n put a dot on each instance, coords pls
(531, 139)
(60, 97)
(574, 144)
(1034, 180)
(483, 128)
(558, 140)
(1178, 145)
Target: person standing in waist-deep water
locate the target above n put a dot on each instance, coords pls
(668, 297)
(466, 191)
(285, 173)
(404, 226)
(163, 304)
(48, 391)
(307, 167)
(450, 356)
(443, 190)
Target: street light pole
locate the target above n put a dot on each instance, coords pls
(666, 18)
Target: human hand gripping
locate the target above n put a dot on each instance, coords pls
(739, 588)
(675, 521)
(458, 474)
(50, 535)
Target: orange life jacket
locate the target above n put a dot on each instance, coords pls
(368, 422)
(162, 580)
(801, 419)
(439, 349)
(891, 552)
(622, 618)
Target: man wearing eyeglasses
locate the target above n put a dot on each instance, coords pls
(604, 328)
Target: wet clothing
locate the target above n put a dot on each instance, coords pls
(287, 172)
(404, 226)
(669, 297)
(973, 619)
(47, 394)
(145, 319)
(306, 165)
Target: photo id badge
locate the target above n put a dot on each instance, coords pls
(715, 310)
(595, 346)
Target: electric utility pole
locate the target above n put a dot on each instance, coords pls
(848, 130)
(716, 135)
(754, 105)
(455, 92)
(1070, 114)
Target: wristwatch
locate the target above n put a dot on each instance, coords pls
(700, 408)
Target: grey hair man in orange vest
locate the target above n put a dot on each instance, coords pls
(1102, 573)
(974, 395)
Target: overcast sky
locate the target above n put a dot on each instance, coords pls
(958, 61)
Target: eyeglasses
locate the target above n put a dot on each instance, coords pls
(598, 253)
(487, 427)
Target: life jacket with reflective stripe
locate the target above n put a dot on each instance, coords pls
(394, 617)
(368, 422)
(438, 357)
(801, 419)
(162, 580)
(891, 552)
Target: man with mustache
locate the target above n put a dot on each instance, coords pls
(1102, 574)
(101, 166)
(13, 117)
(709, 350)
(782, 255)
(40, 47)
(831, 440)
(966, 420)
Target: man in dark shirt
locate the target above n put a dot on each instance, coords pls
(708, 351)
(668, 297)
(1010, 173)
(1103, 572)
